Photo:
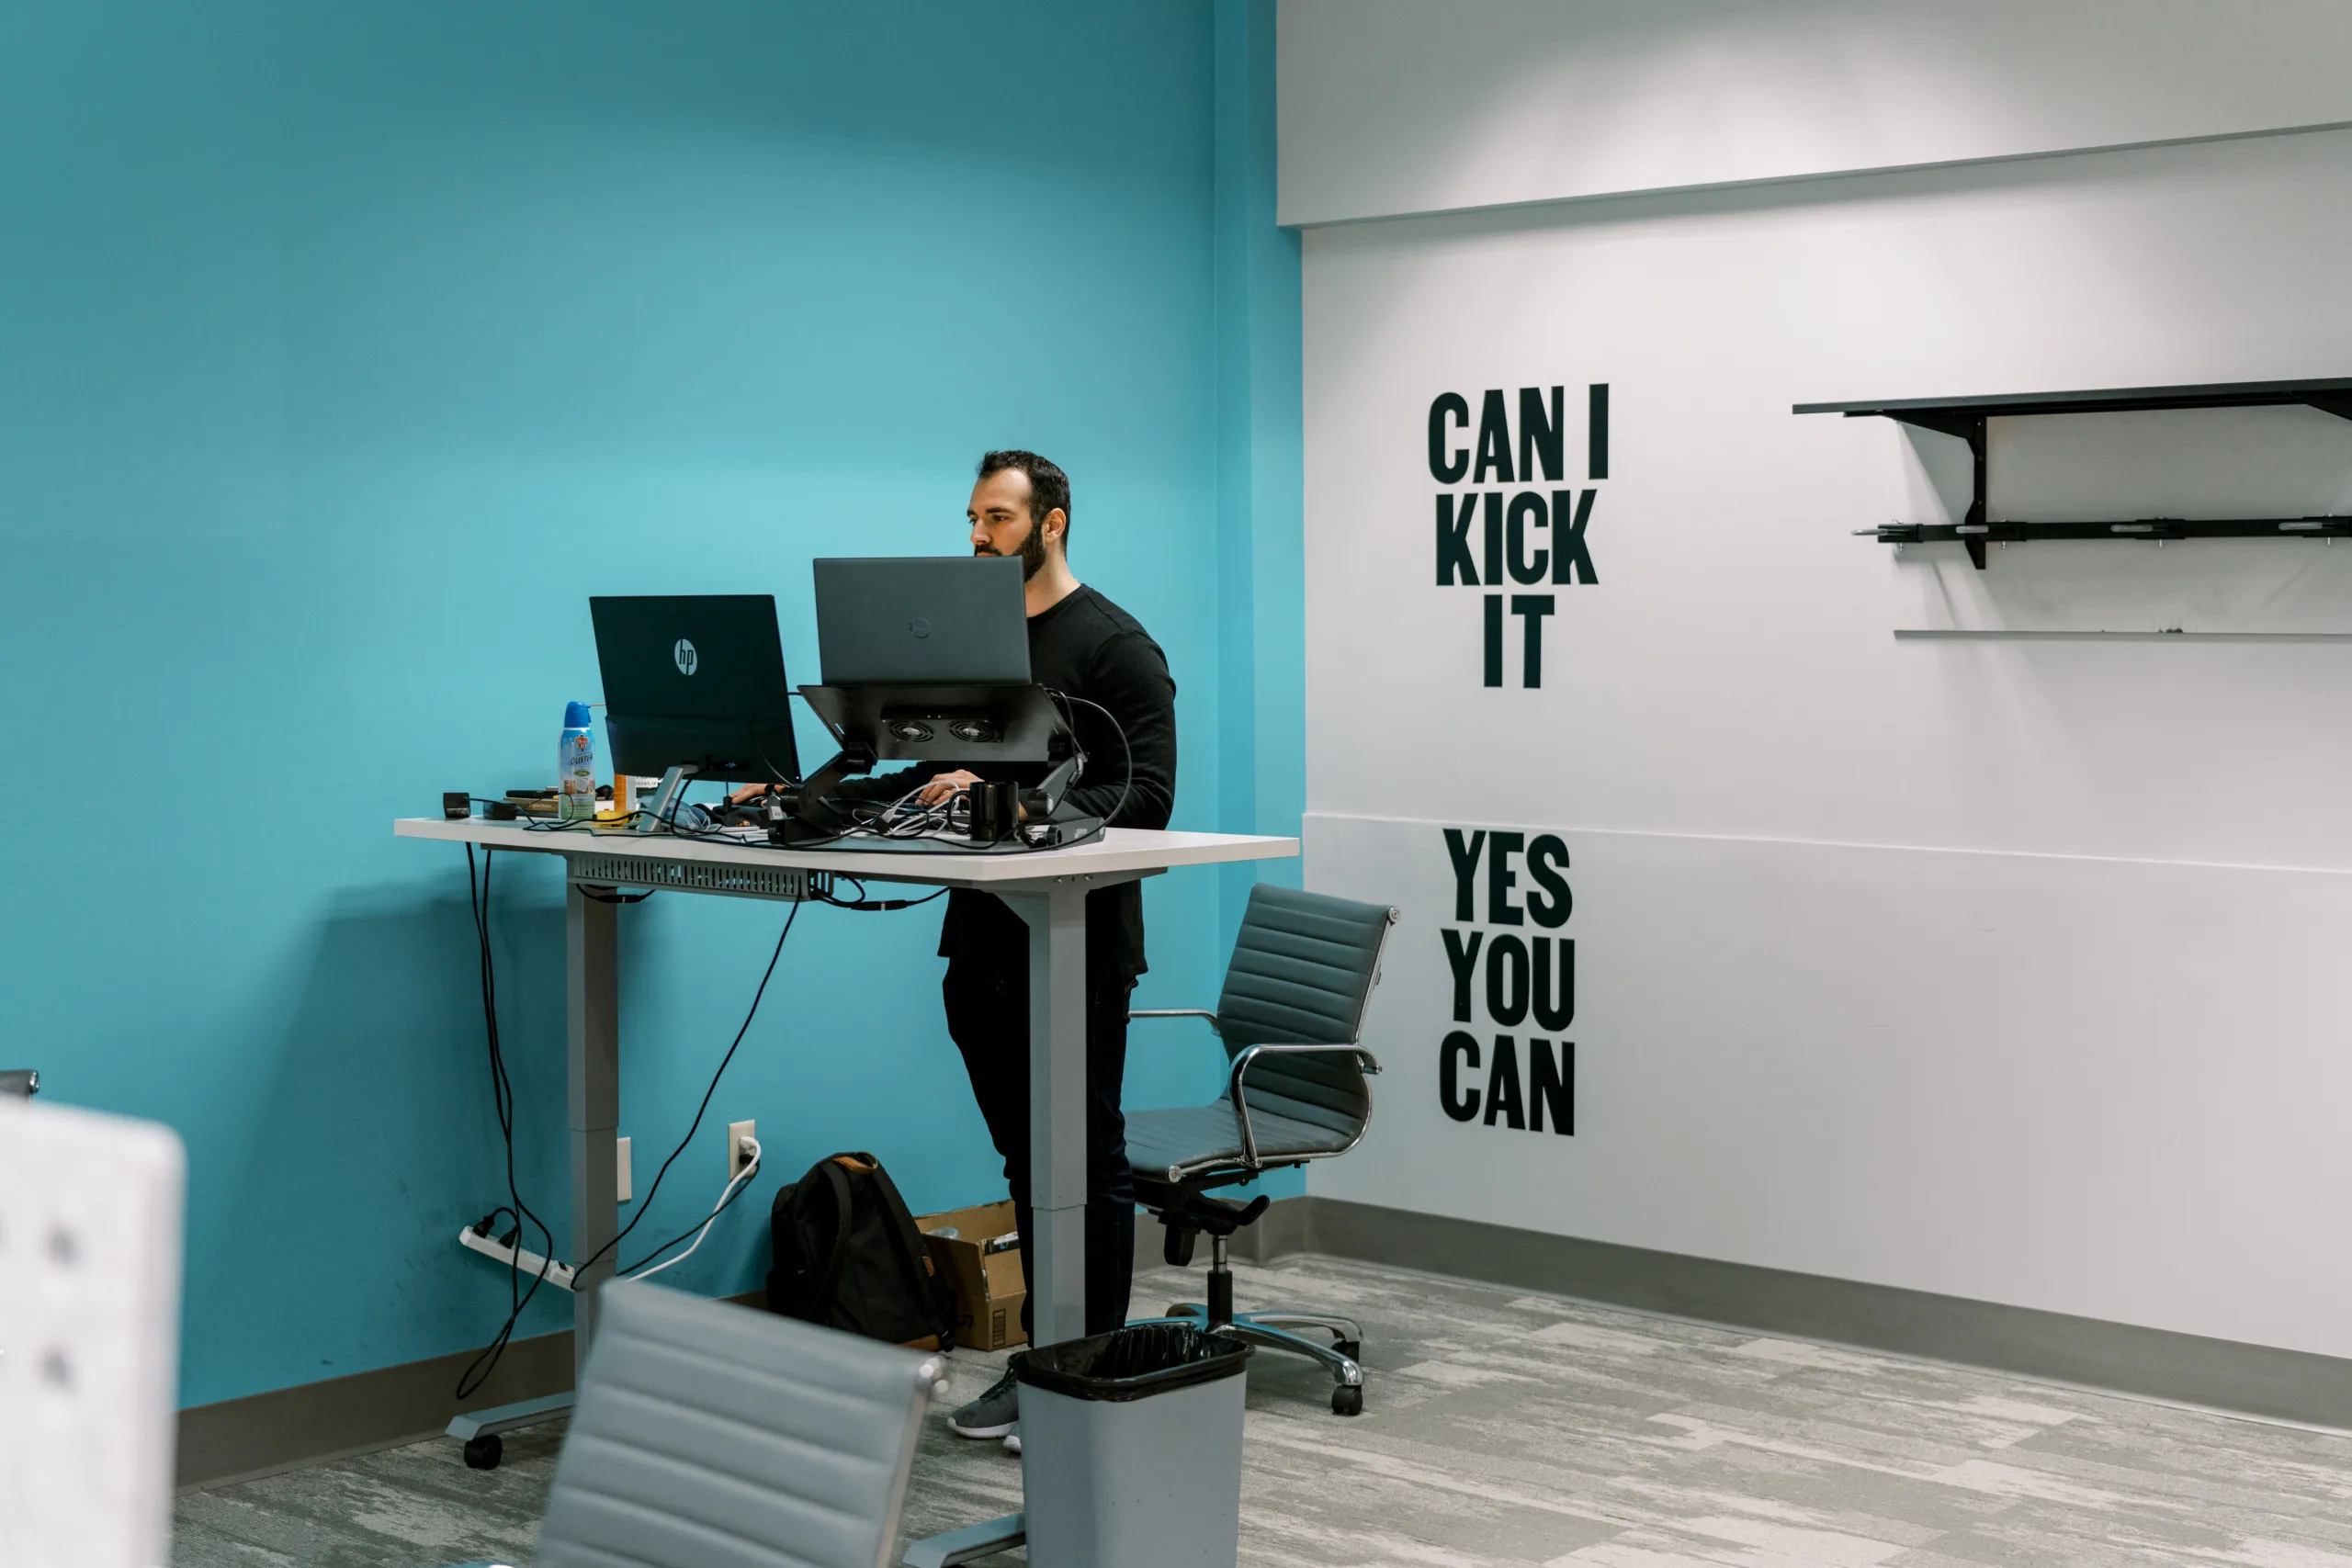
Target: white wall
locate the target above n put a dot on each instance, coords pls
(2008, 969)
(2110, 1088)
(1399, 106)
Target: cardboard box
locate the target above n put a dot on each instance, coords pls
(988, 1284)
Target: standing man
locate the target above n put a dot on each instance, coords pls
(1085, 647)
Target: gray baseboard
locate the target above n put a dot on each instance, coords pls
(240, 1439)
(2255, 1380)
(1286, 1227)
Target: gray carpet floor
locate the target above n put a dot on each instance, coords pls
(1504, 1428)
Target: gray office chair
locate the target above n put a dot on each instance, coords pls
(711, 1435)
(1290, 1018)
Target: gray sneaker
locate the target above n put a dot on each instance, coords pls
(1013, 1440)
(994, 1415)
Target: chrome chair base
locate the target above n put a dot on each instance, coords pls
(1272, 1330)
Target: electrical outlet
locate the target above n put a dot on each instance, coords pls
(620, 1165)
(736, 1156)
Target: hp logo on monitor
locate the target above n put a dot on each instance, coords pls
(689, 660)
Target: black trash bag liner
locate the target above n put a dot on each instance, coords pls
(1131, 1364)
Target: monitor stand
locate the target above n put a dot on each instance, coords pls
(803, 815)
(1060, 833)
(951, 724)
(665, 801)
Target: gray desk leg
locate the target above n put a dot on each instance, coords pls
(592, 998)
(1057, 918)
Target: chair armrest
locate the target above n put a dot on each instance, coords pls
(1249, 1054)
(1179, 1012)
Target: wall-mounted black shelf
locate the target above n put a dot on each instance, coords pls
(1965, 417)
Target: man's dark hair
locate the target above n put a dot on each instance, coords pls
(1048, 486)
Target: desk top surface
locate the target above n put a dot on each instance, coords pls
(1119, 853)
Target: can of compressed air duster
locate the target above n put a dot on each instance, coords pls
(575, 766)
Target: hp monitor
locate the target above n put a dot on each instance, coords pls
(696, 683)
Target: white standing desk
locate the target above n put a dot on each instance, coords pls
(1047, 888)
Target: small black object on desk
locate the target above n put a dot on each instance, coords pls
(996, 806)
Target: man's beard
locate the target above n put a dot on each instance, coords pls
(1032, 552)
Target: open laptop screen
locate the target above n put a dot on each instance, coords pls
(922, 620)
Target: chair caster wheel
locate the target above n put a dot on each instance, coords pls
(1351, 1349)
(1347, 1400)
(484, 1452)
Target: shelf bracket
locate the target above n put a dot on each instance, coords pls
(1971, 429)
(1965, 418)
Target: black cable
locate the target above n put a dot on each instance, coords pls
(646, 1206)
(866, 901)
(1128, 783)
(868, 824)
(533, 822)
(712, 835)
(502, 1090)
(751, 727)
(863, 903)
(865, 816)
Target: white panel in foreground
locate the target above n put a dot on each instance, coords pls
(90, 1212)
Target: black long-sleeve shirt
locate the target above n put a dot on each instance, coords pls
(1087, 648)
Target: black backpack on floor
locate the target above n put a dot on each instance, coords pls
(848, 1256)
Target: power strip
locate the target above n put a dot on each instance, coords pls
(90, 1217)
(505, 1256)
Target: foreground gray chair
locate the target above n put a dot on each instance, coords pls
(1290, 1018)
(712, 1436)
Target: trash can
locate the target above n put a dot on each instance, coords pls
(1131, 1449)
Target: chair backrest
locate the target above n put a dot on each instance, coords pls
(1303, 969)
(708, 1435)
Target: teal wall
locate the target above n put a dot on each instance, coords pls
(344, 350)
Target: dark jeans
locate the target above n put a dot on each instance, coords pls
(987, 1014)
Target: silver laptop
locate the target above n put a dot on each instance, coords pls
(921, 621)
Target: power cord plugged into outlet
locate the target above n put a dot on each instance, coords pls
(528, 1271)
(747, 1149)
